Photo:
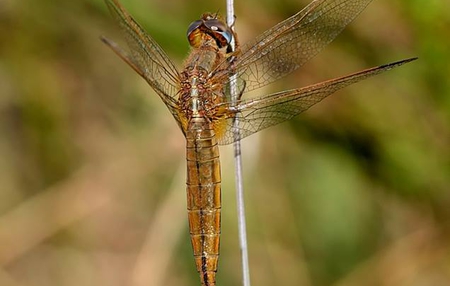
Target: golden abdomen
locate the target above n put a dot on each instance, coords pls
(203, 197)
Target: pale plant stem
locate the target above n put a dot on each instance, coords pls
(238, 167)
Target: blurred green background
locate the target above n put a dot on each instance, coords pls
(354, 191)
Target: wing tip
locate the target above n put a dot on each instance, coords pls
(401, 62)
(105, 40)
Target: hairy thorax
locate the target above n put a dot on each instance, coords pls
(203, 84)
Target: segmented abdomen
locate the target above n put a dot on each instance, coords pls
(203, 197)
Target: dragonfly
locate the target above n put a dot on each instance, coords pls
(208, 97)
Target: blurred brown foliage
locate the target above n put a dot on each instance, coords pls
(353, 192)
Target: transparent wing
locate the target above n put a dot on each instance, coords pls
(291, 43)
(253, 115)
(146, 58)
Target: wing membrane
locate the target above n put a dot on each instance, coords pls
(253, 115)
(147, 58)
(291, 43)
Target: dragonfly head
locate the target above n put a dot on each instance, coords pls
(210, 26)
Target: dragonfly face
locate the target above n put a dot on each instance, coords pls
(210, 26)
(199, 96)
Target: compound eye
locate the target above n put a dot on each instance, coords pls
(193, 26)
(221, 32)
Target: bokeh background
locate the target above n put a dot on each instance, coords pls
(354, 191)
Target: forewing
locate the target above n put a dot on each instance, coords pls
(291, 43)
(146, 58)
(253, 115)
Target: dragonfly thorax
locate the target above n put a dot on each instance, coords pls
(198, 95)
